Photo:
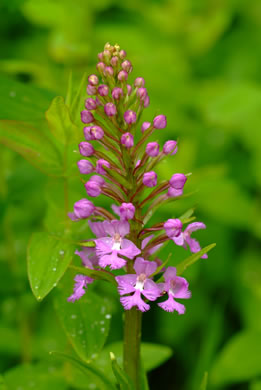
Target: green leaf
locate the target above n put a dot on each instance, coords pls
(59, 120)
(204, 382)
(77, 103)
(99, 275)
(122, 378)
(181, 267)
(239, 360)
(33, 144)
(152, 355)
(256, 385)
(48, 258)
(86, 323)
(88, 370)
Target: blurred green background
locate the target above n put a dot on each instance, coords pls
(201, 60)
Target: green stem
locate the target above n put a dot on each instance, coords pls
(131, 345)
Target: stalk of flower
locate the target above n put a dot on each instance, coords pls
(123, 171)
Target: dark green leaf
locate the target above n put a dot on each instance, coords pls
(48, 258)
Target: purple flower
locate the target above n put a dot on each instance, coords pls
(82, 209)
(139, 82)
(127, 140)
(170, 147)
(130, 116)
(103, 90)
(81, 282)
(176, 287)
(108, 248)
(117, 93)
(122, 75)
(160, 122)
(93, 79)
(88, 257)
(177, 183)
(100, 164)
(127, 211)
(96, 132)
(110, 109)
(90, 104)
(86, 116)
(86, 149)
(184, 238)
(138, 283)
(85, 167)
(173, 227)
(145, 126)
(150, 179)
(152, 149)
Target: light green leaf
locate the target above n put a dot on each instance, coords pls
(86, 323)
(123, 380)
(239, 360)
(77, 103)
(87, 369)
(181, 267)
(48, 258)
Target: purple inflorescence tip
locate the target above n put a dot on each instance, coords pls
(103, 90)
(86, 149)
(152, 149)
(83, 208)
(173, 227)
(96, 132)
(122, 75)
(100, 164)
(127, 140)
(145, 126)
(110, 109)
(150, 179)
(139, 82)
(170, 147)
(130, 116)
(93, 79)
(86, 116)
(85, 167)
(127, 211)
(90, 104)
(91, 89)
(117, 93)
(160, 122)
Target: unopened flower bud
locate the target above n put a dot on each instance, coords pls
(139, 82)
(130, 116)
(86, 116)
(160, 122)
(142, 93)
(83, 208)
(126, 65)
(103, 90)
(85, 167)
(100, 67)
(110, 109)
(122, 54)
(173, 227)
(98, 179)
(106, 56)
(108, 71)
(173, 193)
(93, 79)
(146, 101)
(178, 181)
(99, 166)
(86, 149)
(114, 61)
(127, 211)
(122, 75)
(93, 188)
(170, 147)
(96, 132)
(127, 140)
(152, 149)
(100, 56)
(98, 103)
(91, 89)
(145, 126)
(129, 89)
(87, 133)
(150, 179)
(90, 104)
(117, 93)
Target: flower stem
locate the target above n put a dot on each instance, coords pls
(131, 345)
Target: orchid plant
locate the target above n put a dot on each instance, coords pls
(120, 165)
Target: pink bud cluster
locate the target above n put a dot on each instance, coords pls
(123, 165)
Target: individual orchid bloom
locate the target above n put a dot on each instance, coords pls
(80, 286)
(184, 238)
(176, 287)
(139, 284)
(108, 248)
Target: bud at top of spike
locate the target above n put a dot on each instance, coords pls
(126, 65)
(93, 79)
(139, 82)
(122, 75)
